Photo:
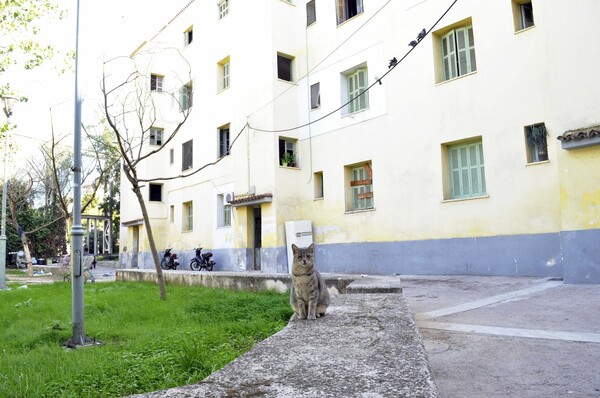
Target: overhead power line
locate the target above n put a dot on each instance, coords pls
(393, 64)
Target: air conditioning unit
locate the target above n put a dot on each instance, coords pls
(229, 197)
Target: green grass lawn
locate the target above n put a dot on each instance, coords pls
(149, 344)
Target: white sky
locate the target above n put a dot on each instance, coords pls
(107, 28)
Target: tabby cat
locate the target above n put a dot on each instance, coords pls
(308, 296)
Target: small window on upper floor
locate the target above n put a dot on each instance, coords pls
(537, 145)
(172, 156)
(186, 94)
(224, 74)
(188, 36)
(156, 82)
(284, 67)
(187, 155)
(287, 152)
(223, 8)
(223, 132)
(522, 14)
(456, 54)
(156, 136)
(315, 96)
(347, 9)
(311, 13)
(155, 192)
(354, 86)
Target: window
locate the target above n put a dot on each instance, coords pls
(523, 14)
(172, 214)
(315, 96)
(284, 67)
(287, 152)
(156, 82)
(458, 53)
(311, 13)
(188, 216)
(318, 181)
(223, 8)
(347, 9)
(223, 141)
(156, 136)
(188, 36)
(537, 145)
(223, 69)
(223, 211)
(356, 83)
(172, 156)
(187, 155)
(185, 97)
(155, 192)
(360, 187)
(466, 169)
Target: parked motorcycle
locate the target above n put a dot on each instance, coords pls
(202, 261)
(169, 260)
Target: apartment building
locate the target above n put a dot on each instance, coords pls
(469, 148)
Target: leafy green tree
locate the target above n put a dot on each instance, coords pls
(20, 43)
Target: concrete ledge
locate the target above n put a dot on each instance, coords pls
(375, 284)
(367, 345)
(250, 281)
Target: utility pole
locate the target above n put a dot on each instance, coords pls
(77, 277)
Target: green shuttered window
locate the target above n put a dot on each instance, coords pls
(458, 53)
(467, 171)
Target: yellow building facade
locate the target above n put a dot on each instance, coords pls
(416, 137)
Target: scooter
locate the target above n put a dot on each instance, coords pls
(169, 260)
(202, 261)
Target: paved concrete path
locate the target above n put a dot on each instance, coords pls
(508, 337)
(367, 345)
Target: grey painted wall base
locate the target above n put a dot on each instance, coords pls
(572, 254)
(581, 256)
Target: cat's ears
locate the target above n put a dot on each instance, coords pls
(294, 248)
(311, 247)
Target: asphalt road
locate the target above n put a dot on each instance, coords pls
(508, 337)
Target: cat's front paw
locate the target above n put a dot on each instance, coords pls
(312, 317)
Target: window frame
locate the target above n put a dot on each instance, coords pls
(187, 155)
(450, 52)
(460, 173)
(359, 187)
(311, 13)
(223, 7)
(290, 60)
(223, 74)
(354, 88)
(537, 149)
(186, 97)
(155, 132)
(188, 36)
(156, 82)
(223, 211)
(348, 9)
(223, 137)
(288, 145)
(187, 214)
(155, 192)
(315, 96)
(319, 187)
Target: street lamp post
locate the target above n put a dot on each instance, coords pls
(8, 103)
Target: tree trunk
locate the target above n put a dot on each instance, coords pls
(138, 193)
(22, 236)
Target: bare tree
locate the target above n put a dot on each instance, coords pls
(131, 111)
